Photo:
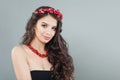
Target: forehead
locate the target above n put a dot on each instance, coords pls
(49, 20)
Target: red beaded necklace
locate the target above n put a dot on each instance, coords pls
(37, 52)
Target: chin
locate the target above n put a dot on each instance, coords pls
(45, 42)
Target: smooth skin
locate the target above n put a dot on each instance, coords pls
(24, 60)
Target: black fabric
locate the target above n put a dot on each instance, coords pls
(40, 75)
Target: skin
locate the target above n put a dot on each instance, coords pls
(24, 60)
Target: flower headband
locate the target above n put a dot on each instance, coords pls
(49, 10)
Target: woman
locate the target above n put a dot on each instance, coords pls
(43, 53)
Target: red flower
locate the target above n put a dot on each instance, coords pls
(49, 10)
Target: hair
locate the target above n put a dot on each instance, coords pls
(62, 62)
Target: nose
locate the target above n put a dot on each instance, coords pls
(48, 31)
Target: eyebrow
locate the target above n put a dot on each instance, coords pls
(48, 24)
(44, 22)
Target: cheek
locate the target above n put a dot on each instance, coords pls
(53, 33)
(40, 31)
(37, 32)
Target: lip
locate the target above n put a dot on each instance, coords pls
(46, 37)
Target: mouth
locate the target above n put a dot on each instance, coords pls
(46, 38)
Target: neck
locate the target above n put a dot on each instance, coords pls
(38, 45)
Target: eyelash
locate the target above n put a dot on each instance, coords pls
(54, 28)
(43, 25)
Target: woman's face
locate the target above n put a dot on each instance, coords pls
(45, 29)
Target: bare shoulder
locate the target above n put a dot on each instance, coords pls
(18, 51)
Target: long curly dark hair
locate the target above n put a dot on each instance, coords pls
(62, 62)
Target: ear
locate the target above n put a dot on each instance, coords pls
(35, 27)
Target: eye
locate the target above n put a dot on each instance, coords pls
(44, 25)
(54, 28)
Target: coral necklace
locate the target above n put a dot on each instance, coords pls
(37, 52)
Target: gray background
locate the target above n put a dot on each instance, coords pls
(91, 28)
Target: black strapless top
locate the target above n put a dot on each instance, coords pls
(40, 75)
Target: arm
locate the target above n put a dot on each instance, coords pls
(20, 64)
